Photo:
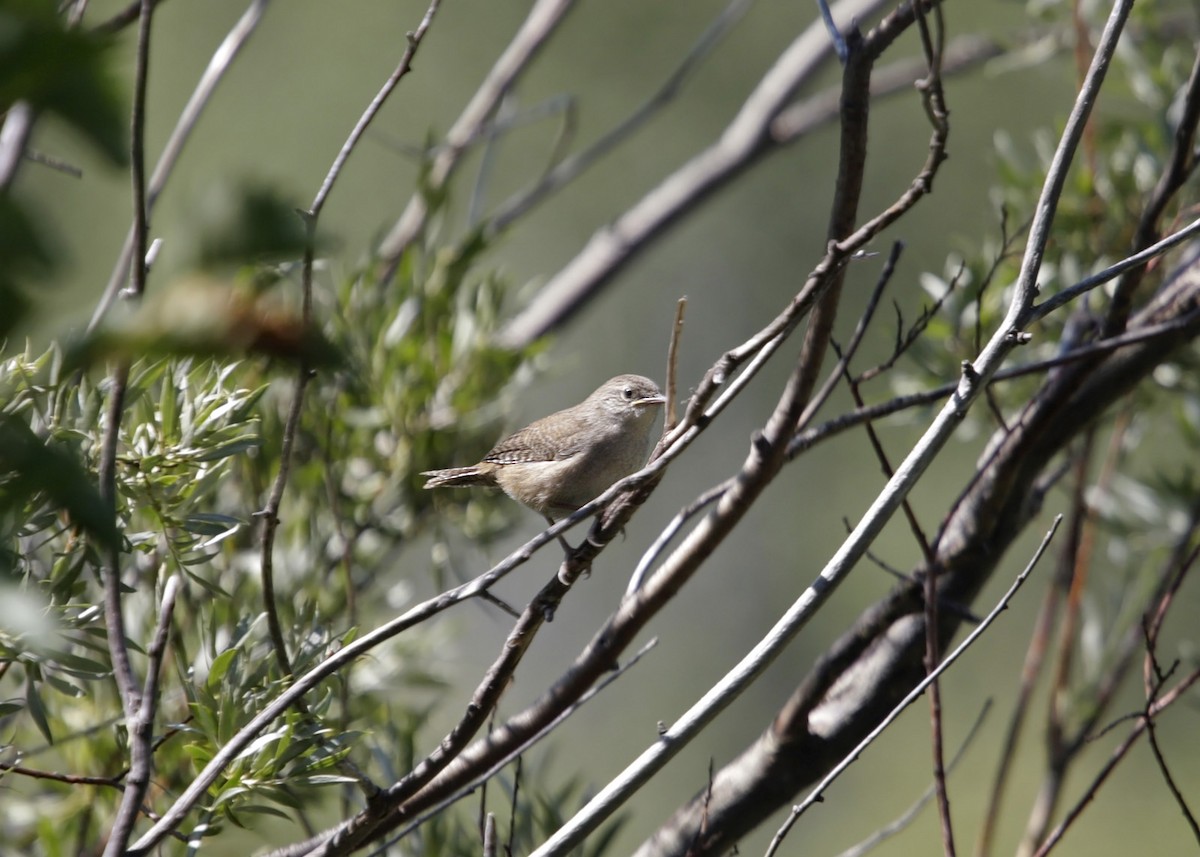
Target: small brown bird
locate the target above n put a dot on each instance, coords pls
(560, 462)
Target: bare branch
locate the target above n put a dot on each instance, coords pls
(1119, 753)
(220, 63)
(913, 695)
(543, 19)
(744, 140)
(571, 168)
(910, 815)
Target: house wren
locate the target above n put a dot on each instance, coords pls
(560, 462)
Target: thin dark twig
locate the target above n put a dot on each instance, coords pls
(817, 793)
(123, 18)
(860, 329)
(415, 38)
(906, 339)
(671, 418)
(1039, 641)
(569, 169)
(515, 755)
(1119, 753)
(137, 151)
(69, 779)
(1152, 737)
(910, 815)
(222, 60)
(518, 770)
(138, 724)
(1181, 562)
(806, 439)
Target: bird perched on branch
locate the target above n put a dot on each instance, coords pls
(560, 462)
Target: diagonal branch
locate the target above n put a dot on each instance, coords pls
(770, 770)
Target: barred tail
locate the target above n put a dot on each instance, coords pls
(457, 477)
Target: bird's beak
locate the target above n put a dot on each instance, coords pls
(651, 400)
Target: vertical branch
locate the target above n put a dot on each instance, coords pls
(818, 792)
(270, 512)
(671, 419)
(220, 63)
(139, 712)
(935, 106)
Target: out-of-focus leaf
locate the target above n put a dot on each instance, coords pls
(29, 467)
(36, 708)
(61, 71)
(23, 252)
(235, 224)
(220, 666)
(205, 317)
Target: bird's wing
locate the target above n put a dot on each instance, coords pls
(548, 439)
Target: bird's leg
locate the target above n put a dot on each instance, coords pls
(561, 540)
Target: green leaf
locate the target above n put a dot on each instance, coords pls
(36, 708)
(62, 71)
(220, 667)
(209, 524)
(41, 468)
(230, 447)
(24, 252)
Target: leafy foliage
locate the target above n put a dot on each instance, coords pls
(197, 450)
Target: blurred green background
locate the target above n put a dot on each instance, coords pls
(282, 114)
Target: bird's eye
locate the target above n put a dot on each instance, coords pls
(627, 394)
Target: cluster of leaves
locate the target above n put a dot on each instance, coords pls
(51, 69)
(198, 447)
(407, 380)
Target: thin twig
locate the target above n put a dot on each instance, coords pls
(222, 60)
(1119, 753)
(139, 712)
(671, 530)
(1044, 308)
(1030, 670)
(69, 779)
(1152, 738)
(123, 18)
(539, 24)
(910, 815)
(817, 793)
(860, 329)
(569, 169)
(811, 437)
(415, 38)
(671, 418)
